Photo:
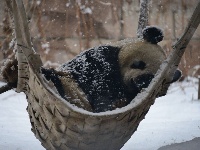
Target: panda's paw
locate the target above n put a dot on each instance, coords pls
(9, 72)
(177, 75)
(152, 34)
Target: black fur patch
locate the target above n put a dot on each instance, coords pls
(51, 75)
(98, 75)
(152, 34)
(140, 82)
(138, 65)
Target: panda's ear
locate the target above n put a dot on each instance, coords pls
(152, 34)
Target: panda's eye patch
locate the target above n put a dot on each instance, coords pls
(138, 65)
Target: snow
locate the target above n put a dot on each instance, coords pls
(15, 125)
(174, 118)
(84, 9)
(46, 46)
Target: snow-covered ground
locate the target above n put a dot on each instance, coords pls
(174, 118)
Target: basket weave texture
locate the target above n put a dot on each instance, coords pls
(61, 126)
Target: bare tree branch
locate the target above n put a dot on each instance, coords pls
(168, 67)
(143, 17)
(180, 46)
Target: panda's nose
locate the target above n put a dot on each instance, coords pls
(142, 81)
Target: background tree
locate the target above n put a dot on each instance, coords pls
(61, 29)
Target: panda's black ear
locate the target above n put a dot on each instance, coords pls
(152, 34)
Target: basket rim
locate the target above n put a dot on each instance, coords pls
(137, 101)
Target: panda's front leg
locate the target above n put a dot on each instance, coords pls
(51, 75)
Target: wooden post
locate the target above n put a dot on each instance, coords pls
(121, 36)
(174, 24)
(199, 88)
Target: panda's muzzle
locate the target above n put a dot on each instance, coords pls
(141, 81)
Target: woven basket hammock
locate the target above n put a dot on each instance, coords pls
(60, 125)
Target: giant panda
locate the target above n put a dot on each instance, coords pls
(112, 75)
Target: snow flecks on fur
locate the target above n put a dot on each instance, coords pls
(84, 66)
(98, 75)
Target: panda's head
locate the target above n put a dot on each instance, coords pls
(140, 61)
